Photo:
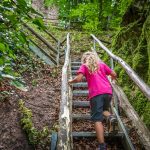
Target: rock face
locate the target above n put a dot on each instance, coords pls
(50, 13)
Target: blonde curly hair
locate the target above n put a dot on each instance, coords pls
(91, 61)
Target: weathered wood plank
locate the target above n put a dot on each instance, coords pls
(80, 93)
(93, 134)
(141, 129)
(62, 42)
(132, 74)
(75, 63)
(46, 31)
(82, 84)
(64, 133)
(74, 72)
(51, 56)
(83, 104)
(75, 67)
(41, 38)
(81, 116)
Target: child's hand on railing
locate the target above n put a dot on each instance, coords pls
(70, 82)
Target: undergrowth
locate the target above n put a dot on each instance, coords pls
(36, 138)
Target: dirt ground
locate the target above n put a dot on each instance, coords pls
(42, 98)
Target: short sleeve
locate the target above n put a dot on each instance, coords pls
(107, 69)
(82, 70)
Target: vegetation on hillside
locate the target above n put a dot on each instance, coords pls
(13, 40)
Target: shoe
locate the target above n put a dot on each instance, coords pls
(112, 123)
(102, 146)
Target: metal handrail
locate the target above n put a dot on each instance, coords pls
(132, 74)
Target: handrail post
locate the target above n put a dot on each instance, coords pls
(94, 45)
(58, 52)
(116, 101)
(112, 63)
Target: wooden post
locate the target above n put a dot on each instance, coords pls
(94, 45)
(58, 52)
(64, 133)
(132, 74)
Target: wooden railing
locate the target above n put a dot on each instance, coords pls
(142, 130)
(65, 131)
(54, 53)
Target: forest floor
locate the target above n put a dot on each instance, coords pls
(42, 98)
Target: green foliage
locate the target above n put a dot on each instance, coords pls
(39, 22)
(35, 137)
(88, 14)
(146, 115)
(13, 40)
(131, 44)
(48, 2)
(20, 85)
(93, 15)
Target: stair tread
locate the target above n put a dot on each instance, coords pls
(81, 104)
(76, 62)
(75, 67)
(81, 116)
(81, 84)
(93, 134)
(80, 92)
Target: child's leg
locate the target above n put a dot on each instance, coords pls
(106, 106)
(111, 119)
(99, 131)
(106, 113)
(97, 116)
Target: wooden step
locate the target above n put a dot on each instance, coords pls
(74, 72)
(81, 84)
(81, 116)
(76, 63)
(80, 93)
(93, 134)
(75, 67)
(83, 104)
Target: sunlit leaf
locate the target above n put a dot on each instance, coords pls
(19, 85)
(39, 22)
(2, 47)
(8, 76)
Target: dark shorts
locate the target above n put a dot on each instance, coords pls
(99, 104)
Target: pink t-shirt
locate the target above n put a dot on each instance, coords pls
(97, 81)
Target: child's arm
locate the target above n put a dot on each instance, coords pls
(78, 78)
(113, 75)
